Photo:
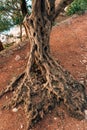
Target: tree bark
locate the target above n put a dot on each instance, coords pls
(44, 83)
(60, 7)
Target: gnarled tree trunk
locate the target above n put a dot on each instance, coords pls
(44, 82)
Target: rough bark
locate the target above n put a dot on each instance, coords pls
(60, 7)
(44, 83)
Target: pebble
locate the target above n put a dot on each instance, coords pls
(84, 61)
(10, 67)
(21, 126)
(82, 82)
(55, 118)
(6, 97)
(14, 109)
(66, 8)
(17, 57)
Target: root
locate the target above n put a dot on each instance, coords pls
(43, 88)
(15, 82)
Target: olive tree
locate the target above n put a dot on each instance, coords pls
(44, 83)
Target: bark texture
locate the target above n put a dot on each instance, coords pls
(44, 83)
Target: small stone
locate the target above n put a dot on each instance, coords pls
(17, 57)
(55, 118)
(6, 97)
(21, 126)
(14, 109)
(66, 8)
(84, 61)
(10, 66)
(81, 81)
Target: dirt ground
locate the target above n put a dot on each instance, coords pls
(69, 46)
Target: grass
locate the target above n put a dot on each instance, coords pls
(77, 6)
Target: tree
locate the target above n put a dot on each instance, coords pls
(44, 83)
(9, 12)
(4, 23)
(12, 12)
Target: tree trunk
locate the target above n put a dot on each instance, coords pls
(44, 83)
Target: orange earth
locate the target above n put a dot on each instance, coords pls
(68, 45)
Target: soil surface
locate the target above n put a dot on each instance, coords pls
(69, 45)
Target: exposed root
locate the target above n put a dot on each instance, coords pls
(47, 86)
(15, 82)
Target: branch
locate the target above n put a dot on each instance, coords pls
(61, 6)
(50, 8)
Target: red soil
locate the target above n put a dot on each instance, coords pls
(69, 46)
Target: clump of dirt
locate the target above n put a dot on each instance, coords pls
(69, 46)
